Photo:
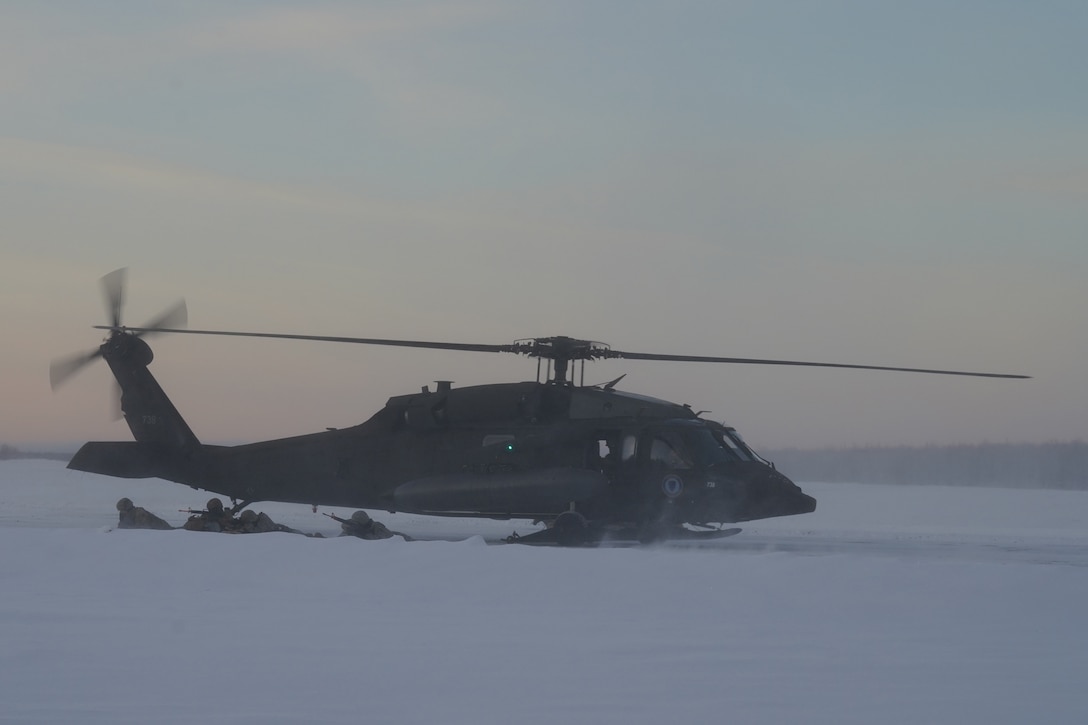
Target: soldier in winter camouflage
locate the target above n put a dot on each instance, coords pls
(360, 525)
(213, 518)
(130, 516)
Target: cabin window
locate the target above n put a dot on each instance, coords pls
(605, 449)
(629, 448)
(608, 445)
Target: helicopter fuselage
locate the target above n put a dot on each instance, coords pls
(512, 450)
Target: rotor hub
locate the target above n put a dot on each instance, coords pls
(561, 350)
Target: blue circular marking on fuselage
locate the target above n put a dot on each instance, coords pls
(672, 485)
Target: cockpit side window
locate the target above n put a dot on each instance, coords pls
(667, 451)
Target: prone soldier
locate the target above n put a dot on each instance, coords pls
(361, 526)
(213, 518)
(216, 518)
(130, 516)
(251, 522)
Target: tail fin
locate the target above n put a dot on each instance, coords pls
(150, 415)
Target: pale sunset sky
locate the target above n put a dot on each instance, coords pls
(883, 183)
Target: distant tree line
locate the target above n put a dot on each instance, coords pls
(1006, 465)
(10, 453)
(1014, 465)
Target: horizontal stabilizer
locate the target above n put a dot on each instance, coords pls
(125, 459)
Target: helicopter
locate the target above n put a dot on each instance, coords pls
(582, 459)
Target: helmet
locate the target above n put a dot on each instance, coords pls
(248, 516)
(360, 517)
(125, 504)
(214, 504)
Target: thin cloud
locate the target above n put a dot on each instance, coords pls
(113, 171)
(100, 167)
(52, 68)
(368, 44)
(319, 31)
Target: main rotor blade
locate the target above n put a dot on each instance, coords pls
(174, 317)
(63, 368)
(597, 353)
(467, 347)
(113, 289)
(753, 361)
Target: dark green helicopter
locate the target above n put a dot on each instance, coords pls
(585, 460)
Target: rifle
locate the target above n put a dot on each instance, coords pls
(368, 529)
(223, 511)
(358, 528)
(221, 516)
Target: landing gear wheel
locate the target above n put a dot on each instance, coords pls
(571, 529)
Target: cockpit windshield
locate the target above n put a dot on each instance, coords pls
(733, 443)
(731, 434)
(697, 446)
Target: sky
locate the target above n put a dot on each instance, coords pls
(877, 183)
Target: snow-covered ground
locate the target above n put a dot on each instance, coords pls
(887, 605)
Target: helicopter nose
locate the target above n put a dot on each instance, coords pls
(803, 503)
(750, 490)
(779, 496)
(792, 499)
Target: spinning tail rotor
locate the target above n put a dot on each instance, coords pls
(121, 341)
(152, 418)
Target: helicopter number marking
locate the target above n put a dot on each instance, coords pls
(672, 485)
